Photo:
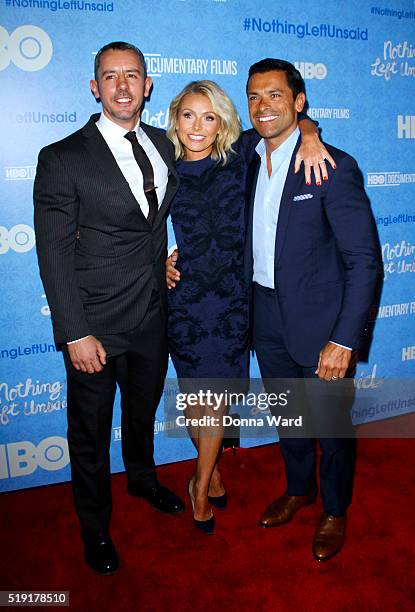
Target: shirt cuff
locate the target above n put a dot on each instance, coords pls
(171, 250)
(79, 339)
(342, 345)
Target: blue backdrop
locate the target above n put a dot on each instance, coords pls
(358, 60)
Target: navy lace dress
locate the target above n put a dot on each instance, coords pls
(208, 311)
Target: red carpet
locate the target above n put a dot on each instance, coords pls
(167, 565)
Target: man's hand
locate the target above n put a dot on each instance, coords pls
(172, 275)
(87, 355)
(333, 362)
(314, 155)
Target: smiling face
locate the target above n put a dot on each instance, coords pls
(197, 126)
(272, 108)
(121, 87)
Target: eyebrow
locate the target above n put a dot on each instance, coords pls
(276, 90)
(193, 111)
(126, 70)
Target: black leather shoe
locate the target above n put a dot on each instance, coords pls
(100, 554)
(160, 498)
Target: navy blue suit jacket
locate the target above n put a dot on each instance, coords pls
(327, 257)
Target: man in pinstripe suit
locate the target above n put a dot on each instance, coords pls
(101, 244)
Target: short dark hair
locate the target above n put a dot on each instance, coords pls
(119, 46)
(294, 79)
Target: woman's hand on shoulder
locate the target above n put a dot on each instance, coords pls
(314, 155)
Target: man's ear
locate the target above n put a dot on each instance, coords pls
(148, 83)
(299, 102)
(94, 88)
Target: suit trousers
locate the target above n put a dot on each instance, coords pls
(337, 454)
(137, 362)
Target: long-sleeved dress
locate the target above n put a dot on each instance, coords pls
(208, 308)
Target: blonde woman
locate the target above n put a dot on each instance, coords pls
(208, 312)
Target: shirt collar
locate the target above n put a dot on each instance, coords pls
(111, 130)
(286, 148)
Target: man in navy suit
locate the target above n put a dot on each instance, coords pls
(313, 258)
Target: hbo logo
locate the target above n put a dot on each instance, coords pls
(376, 179)
(23, 458)
(20, 238)
(311, 71)
(28, 47)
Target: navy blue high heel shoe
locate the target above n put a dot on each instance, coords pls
(219, 502)
(207, 526)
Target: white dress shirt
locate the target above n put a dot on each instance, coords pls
(267, 205)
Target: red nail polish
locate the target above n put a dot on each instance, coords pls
(325, 178)
(334, 166)
(308, 183)
(318, 184)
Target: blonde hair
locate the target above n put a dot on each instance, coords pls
(222, 106)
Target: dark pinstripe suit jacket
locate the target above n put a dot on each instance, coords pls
(98, 256)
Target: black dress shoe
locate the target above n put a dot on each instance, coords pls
(100, 554)
(160, 498)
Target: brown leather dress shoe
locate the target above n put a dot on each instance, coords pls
(284, 508)
(329, 537)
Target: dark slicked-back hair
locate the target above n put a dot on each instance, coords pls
(294, 79)
(119, 46)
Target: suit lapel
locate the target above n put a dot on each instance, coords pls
(251, 182)
(100, 151)
(291, 186)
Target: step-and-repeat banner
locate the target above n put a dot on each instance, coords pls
(358, 61)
